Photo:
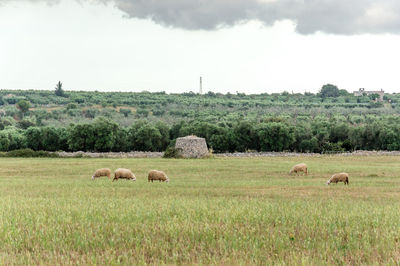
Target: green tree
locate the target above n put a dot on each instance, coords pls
(71, 106)
(50, 138)
(97, 136)
(201, 129)
(144, 136)
(175, 129)
(4, 141)
(389, 139)
(90, 113)
(63, 139)
(329, 90)
(245, 136)
(125, 111)
(121, 143)
(338, 132)
(81, 137)
(164, 129)
(59, 90)
(302, 135)
(141, 112)
(274, 136)
(16, 137)
(356, 137)
(224, 141)
(34, 138)
(23, 106)
(25, 123)
(105, 134)
(309, 145)
(371, 135)
(344, 93)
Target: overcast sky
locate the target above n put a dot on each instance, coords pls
(249, 46)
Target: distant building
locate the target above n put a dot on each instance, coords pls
(362, 92)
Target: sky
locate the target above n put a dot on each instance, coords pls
(250, 46)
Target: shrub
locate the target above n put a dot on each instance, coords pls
(28, 153)
(25, 123)
(171, 152)
(71, 106)
(125, 112)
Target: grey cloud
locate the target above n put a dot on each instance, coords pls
(330, 16)
(310, 16)
(197, 14)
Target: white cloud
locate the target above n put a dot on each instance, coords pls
(90, 46)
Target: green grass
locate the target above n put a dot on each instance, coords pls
(213, 211)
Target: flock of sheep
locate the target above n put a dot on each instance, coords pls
(123, 173)
(340, 177)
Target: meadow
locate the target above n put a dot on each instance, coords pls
(219, 211)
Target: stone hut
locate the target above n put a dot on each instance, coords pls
(192, 147)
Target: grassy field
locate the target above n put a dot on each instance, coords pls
(213, 211)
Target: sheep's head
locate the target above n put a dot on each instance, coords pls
(328, 182)
(167, 180)
(92, 177)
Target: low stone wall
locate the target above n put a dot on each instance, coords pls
(140, 154)
(135, 154)
(296, 154)
(265, 154)
(372, 153)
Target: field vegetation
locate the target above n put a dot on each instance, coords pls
(213, 211)
(331, 120)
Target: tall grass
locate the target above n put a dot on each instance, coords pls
(213, 211)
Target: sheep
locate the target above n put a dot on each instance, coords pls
(102, 172)
(341, 177)
(301, 167)
(157, 175)
(124, 174)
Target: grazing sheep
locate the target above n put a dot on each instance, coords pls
(124, 174)
(301, 167)
(342, 177)
(102, 172)
(157, 175)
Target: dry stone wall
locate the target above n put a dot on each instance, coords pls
(134, 154)
(139, 154)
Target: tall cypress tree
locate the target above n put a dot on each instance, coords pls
(59, 90)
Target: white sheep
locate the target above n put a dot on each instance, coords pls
(157, 175)
(123, 173)
(102, 172)
(301, 167)
(341, 177)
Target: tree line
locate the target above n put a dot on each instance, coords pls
(277, 134)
